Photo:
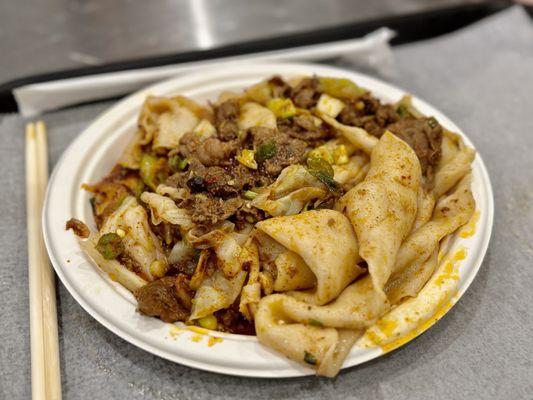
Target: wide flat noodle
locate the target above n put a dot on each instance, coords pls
(411, 280)
(358, 137)
(320, 334)
(451, 212)
(326, 242)
(454, 164)
(383, 207)
(292, 273)
(357, 307)
(425, 206)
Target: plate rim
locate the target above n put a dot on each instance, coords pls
(304, 69)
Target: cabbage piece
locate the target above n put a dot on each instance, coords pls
(204, 129)
(140, 243)
(329, 106)
(164, 209)
(176, 194)
(164, 121)
(254, 115)
(358, 137)
(129, 279)
(131, 158)
(340, 87)
(181, 251)
(405, 108)
(215, 293)
(291, 191)
(251, 292)
(353, 172)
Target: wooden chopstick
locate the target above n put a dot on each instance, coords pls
(45, 372)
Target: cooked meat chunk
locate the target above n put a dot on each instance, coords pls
(232, 321)
(368, 113)
(279, 87)
(386, 115)
(303, 127)
(183, 291)
(220, 183)
(207, 210)
(228, 130)
(78, 227)
(424, 135)
(227, 110)
(248, 215)
(159, 299)
(226, 115)
(306, 93)
(211, 151)
(281, 150)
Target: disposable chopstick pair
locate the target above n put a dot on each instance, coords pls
(45, 373)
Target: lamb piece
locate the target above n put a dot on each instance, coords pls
(306, 93)
(211, 151)
(159, 299)
(225, 115)
(227, 110)
(424, 135)
(245, 216)
(207, 210)
(303, 127)
(78, 227)
(183, 291)
(282, 150)
(368, 113)
(232, 321)
(279, 87)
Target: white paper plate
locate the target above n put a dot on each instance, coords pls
(98, 148)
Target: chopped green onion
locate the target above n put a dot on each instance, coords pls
(110, 246)
(176, 163)
(250, 195)
(152, 170)
(208, 322)
(323, 171)
(403, 111)
(432, 122)
(309, 358)
(319, 164)
(265, 151)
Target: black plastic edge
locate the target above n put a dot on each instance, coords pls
(409, 28)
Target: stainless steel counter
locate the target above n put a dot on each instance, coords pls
(50, 35)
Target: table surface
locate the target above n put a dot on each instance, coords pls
(51, 35)
(482, 349)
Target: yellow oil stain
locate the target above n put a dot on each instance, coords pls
(196, 338)
(387, 326)
(197, 329)
(113, 277)
(470, 228)
(175, 332)
(451, 268)
(424, 326)
(213, 340)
